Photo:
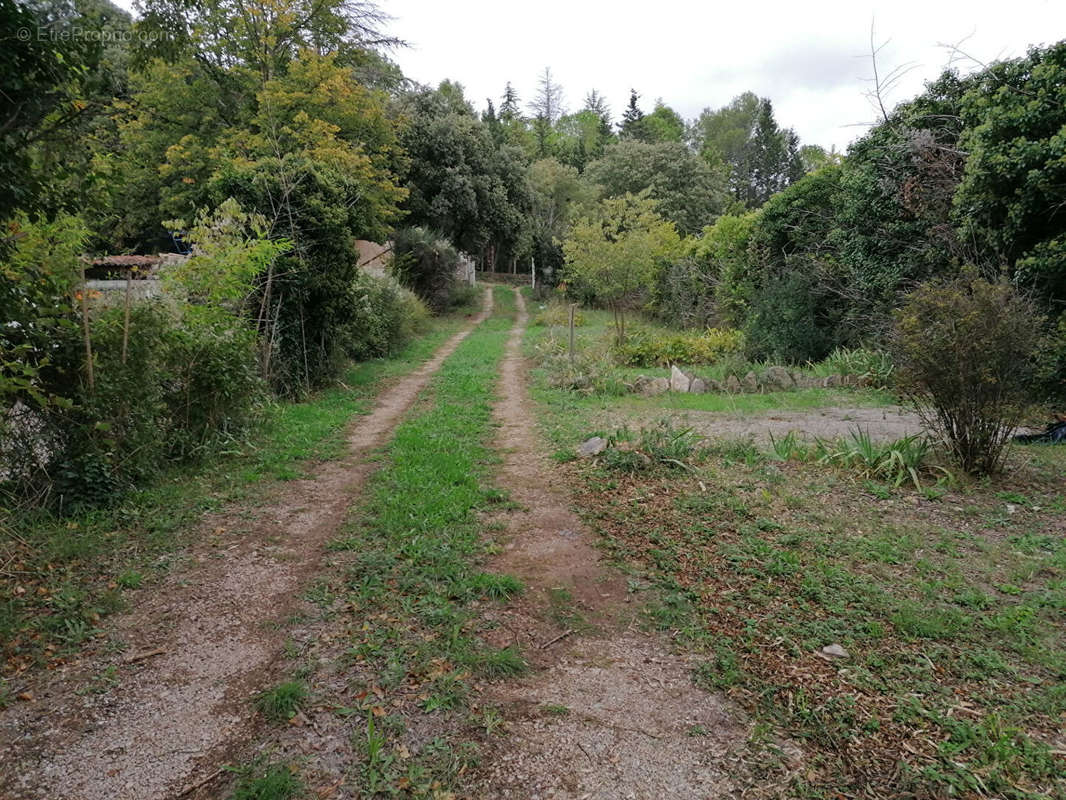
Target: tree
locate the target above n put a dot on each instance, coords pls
(632, 124)
(688, 191)
(663, 124)
(262, 35)
(721, 136)
(723, 254)
(814, 156)
(770, 161)
(761, 157)
(597, 104)
(793, 313)
(559, 196)
(492, 122)
(509, 108)
(547, 107)
(891, 215)
(618, 252)
(1012, 194)
(42, 81)
(461, 184)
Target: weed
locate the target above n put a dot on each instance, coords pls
(265, 780)
(491, 720)
(281, 703)
(556, 709)
(377, 761)
(659, 446)
(130, 579)
(722, 671)
(501, 663)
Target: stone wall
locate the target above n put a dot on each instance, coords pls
(772, 379)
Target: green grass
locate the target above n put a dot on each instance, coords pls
(414, 548)
(65, 573)
(266, 780)
(281, 703)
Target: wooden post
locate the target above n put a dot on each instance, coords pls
(532, 273)
(126, 319)
(572, 307)
(85, 330)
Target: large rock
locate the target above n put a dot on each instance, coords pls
(750, 382)
(732, 385)
(698, 386)
(831, 381)
(778, 378)
(656, 386)
(592, 447)
(679, 381)
(714, 386)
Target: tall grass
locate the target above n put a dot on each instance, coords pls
(897, 462)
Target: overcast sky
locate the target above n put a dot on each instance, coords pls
(810, 57)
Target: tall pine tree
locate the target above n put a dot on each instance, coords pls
(632, 125)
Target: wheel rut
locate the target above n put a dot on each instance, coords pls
(609, 710)
(199, 645)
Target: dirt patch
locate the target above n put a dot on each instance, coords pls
(215, 633)
(610, 712)
(885, 423)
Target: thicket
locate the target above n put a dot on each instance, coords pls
(100, 397)
(103, 393)
(969, 172)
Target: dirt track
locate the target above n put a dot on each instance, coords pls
(609, 711)
(203, 642)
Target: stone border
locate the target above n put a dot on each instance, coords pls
(773, 379)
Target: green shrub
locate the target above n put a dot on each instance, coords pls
(648, 348)
(426, 264)
(462, 295)
(386, 316)
(181, 388)
(590, 372)
(685, 295)
(965, 353)
(786, 323)
(1052, 363)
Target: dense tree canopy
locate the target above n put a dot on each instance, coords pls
(689, 192)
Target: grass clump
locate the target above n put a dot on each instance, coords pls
(266, 780)
(662, 446)
(901, 461)
(281, 703)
